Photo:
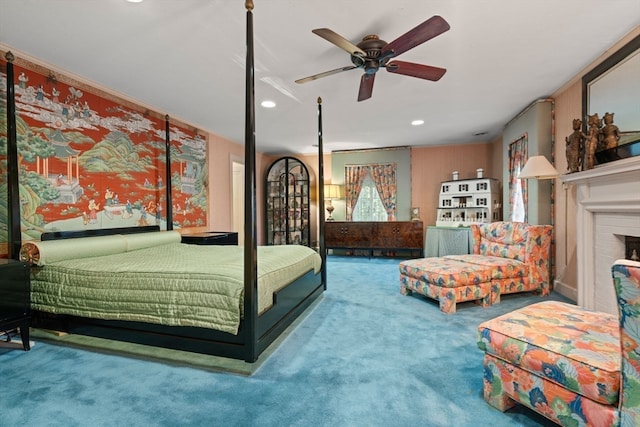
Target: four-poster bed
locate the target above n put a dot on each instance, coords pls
(258, 327)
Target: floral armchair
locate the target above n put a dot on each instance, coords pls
(626, 282)
(508, 257)
(517, 253)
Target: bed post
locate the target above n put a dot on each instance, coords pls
(13, 192)
(250, 245)
(323, 250)
(167, 138)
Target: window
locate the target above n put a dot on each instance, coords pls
(369, 206)
(517, 187)
(380, 194)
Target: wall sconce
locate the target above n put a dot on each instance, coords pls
(331, 192)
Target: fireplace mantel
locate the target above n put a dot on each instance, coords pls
(631, 165)
(608, 206)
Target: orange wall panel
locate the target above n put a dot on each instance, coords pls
(432, 165)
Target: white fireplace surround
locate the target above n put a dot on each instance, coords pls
(608, 208)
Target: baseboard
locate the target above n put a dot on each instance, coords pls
(565, 290)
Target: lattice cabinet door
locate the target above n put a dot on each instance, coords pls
(287, 203)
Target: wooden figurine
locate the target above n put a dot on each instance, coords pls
(610, 134)
(593, 140)
(575, 147)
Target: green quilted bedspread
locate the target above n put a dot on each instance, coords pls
(172, 284)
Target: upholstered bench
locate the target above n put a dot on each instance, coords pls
(552, 355)
(447, 280)
(574, 366)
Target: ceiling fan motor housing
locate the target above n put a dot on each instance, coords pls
(372, 45)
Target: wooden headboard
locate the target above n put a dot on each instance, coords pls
(57, 235)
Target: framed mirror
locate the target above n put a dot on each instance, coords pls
(614, 87)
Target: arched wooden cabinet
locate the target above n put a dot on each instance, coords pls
(287, 203)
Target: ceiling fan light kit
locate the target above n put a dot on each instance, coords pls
(373, 53)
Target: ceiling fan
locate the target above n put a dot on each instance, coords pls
(372, 53)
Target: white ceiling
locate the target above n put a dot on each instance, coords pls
(186, 58)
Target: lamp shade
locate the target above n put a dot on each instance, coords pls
(538, 167)
(332, 191)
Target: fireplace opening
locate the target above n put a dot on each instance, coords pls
(632, 248)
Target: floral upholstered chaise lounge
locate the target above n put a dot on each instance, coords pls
(507, 257)
(574, 366)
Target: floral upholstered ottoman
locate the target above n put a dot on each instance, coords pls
(558, 359)
(447, 280)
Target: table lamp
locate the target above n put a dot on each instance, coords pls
(331, 191)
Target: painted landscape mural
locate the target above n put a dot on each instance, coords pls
(87, 160)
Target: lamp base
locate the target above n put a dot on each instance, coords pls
(329, 209)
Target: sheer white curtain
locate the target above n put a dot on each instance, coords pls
(518, 187)
(369, 206)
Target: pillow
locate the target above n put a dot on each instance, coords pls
(42, 253)
(515, 251)
(147, 240)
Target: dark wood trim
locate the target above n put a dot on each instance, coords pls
(321, 227)
(250, 228)
(218, 238)
(15, 299)
(169, 197)
(74, 234)
(13, 188)
(602, 68)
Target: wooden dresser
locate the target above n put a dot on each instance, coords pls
(373, 236)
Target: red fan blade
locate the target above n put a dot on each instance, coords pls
(420, 71)
(325, 74)
(339, 41)
(429, 29)
(366, 86)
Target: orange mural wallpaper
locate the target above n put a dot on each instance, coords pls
(90, 160)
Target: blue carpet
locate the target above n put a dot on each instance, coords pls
(364, 356)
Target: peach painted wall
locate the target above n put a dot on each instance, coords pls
(497, 155)
(568, 106)
(222, 153)
(432, 165)
(311, 161)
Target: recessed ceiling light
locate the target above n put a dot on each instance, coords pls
(268, 104)
(135, 1)
(417, 122)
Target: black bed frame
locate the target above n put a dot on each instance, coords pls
(256, 332)
(289, 303)
(74, 234)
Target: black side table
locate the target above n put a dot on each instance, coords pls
(15, 298)
(211, 238)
